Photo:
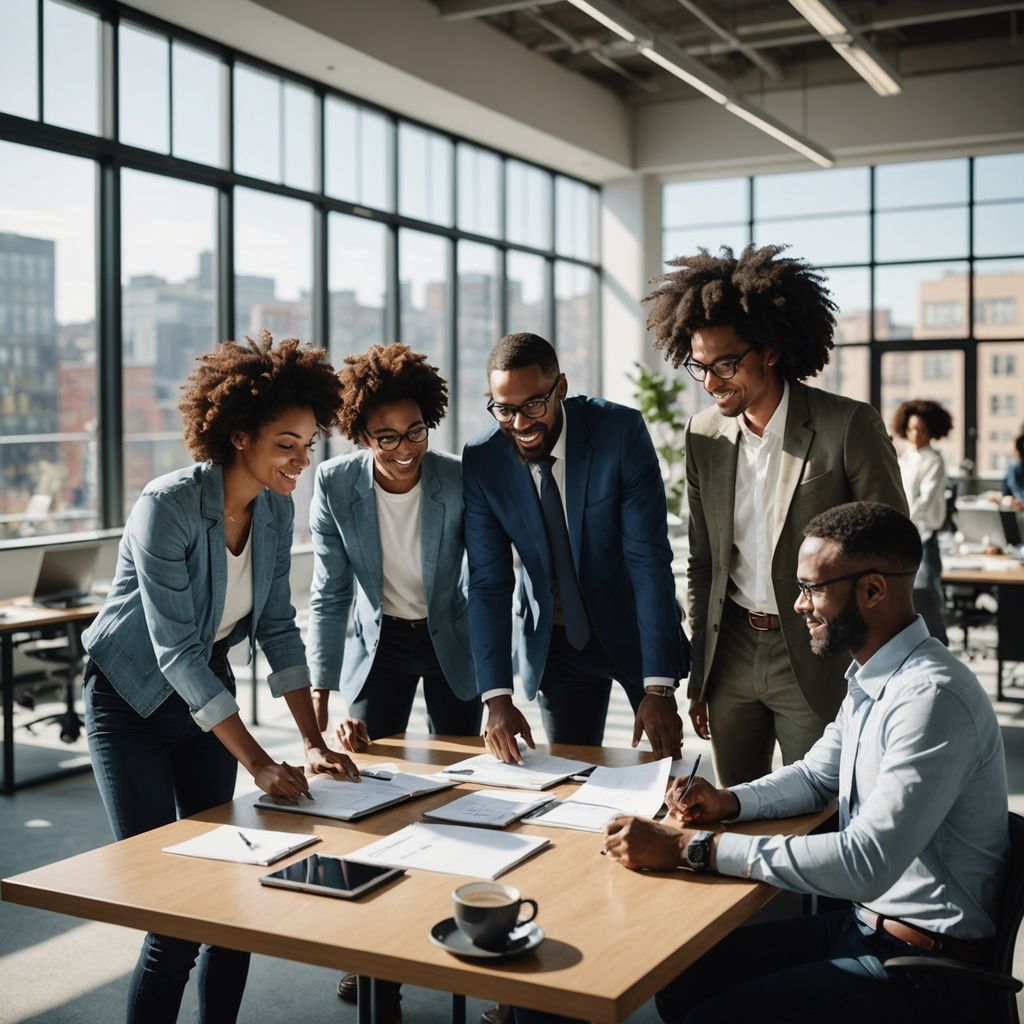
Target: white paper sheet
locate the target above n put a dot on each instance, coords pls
(573, 814)
(344, 801)
(451, 849)
(259, 845)
(538, 771)
(682, 768)
(493, 808)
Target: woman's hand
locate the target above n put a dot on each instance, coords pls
(281, 780)
(323, 760)
(353, 736)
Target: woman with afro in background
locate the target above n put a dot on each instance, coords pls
(923, 469)
(203, 564)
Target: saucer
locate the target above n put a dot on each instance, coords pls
(447, 935)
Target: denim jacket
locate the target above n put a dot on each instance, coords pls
(156, 630)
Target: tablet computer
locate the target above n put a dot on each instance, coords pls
(331, 876)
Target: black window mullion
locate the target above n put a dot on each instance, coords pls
(109, 355)
(40, 54)
(970, 383)
(225, 268)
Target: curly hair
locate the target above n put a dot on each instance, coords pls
(872, 532)
(781, 303)
(936, 418)
(245, 386)
(389, 373)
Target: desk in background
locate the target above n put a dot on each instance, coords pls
(613, 937)
(19, 616)
(1009, 584)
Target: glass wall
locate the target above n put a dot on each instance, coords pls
(925, 261)
(221, 195)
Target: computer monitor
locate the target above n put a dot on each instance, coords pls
(65, 575)
(980, 523)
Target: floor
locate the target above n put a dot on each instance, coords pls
(60, 970)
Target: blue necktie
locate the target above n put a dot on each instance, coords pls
(577, 625)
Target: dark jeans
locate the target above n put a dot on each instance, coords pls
(151, 771)
(575, 689)
(405, 655)
(929, 597)
(804, 971)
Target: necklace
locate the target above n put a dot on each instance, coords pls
(240, 518)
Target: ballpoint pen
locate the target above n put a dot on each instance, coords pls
(689, 781)
(245, 839)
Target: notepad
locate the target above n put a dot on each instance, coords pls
(637, 789)
(451, 849)
(349, 801)
(538, 771)
(243, 845)
(494, 808)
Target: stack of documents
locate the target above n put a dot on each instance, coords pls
(451, 850)
(494, 808)
(243, 845)
(538, 771)
(638, 789)
(348, 801)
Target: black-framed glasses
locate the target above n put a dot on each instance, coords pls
(533, 409)
(390, 441)
(808, 589)
(724, 368)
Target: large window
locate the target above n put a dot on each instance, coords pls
(924, 260)
(206, 194)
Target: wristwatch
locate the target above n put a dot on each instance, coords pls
(655, 690)
(697, 854)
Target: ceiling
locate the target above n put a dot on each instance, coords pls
(755, 45)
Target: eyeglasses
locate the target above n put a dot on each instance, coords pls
(389, 442)
(534, 409)
(724, 369)
(808, 590)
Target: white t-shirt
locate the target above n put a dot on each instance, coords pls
(238, 597)
(398, 520)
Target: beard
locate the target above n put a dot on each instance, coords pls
(845, 633)
(549, 436)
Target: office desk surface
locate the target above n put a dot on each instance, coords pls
(613, 936)
(1013, 575)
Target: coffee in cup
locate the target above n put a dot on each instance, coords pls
(487, 912)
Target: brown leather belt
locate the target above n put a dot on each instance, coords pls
(971, 952)
(763, 620)
(407, 623)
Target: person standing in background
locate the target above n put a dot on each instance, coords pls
(767, 457)
(1013, 482)
(923, 470)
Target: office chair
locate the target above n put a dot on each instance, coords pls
(69, 657)
(997, 977)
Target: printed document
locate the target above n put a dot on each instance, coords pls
(538, 771)
(493, 808)
(243, 845)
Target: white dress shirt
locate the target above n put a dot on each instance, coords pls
(923, 471)
(558, 473)
(753, 518)
(401, 548)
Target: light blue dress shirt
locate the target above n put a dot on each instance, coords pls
(915, 759)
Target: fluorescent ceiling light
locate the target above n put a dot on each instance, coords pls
(608, 15)
(777, 130)
(676, 68)
(846, 39)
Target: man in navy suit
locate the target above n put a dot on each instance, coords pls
(574, 485)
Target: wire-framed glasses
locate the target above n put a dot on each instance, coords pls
(808, 588)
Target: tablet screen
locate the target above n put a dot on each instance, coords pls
(331, 873)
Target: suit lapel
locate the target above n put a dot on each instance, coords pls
(796, 442)
(364, 515)
(431, 523)
(523, 493)
(723, 482)
(579, 453)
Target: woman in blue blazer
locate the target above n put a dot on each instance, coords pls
(387, 538)
(203, 565)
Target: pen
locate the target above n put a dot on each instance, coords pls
(245, 839)
(458, 771)
(689, 781)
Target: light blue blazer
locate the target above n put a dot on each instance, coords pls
(349, 569)
(155, 633)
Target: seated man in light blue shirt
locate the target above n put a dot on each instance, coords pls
(915, 761)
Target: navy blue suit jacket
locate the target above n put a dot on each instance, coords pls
(615, 508)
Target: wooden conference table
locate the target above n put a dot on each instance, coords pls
(19, 616)
(613, 936)
(1009, 584)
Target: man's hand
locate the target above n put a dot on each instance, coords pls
(330, 762)
(353, 735)
(320, 698)
(504, 722)
(642, 843)
(658, 717)
(703, 805)
(699, 717)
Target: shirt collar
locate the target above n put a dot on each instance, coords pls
(872, 676)
(776, 425)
